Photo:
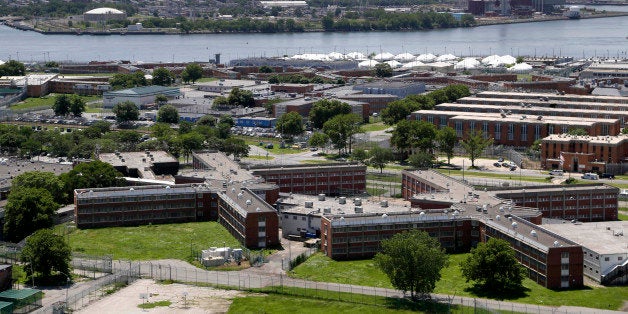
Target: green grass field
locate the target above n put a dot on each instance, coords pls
(364, 272)
(396, 178)
(258, 157)
(151, 242)
(42, 102)
(249, 140)
(379, 126)
(489, 175)
(316, 162)
(299, 300)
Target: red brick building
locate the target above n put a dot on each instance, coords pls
(331, 180)
(245, 215)
(583, 153)
(514, 130)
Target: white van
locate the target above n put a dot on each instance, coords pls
(556, 172)
(590, 176)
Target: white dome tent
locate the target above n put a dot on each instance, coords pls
(446, 57)
(467, 63)
(384, 56)
(520, 68)
(368, 64)
(393, 63)
(508, 59)
(405, 57)
(1, 62)
(355, 56)
(490, 59)
(336, 56)
(413, 64)
(428, 57)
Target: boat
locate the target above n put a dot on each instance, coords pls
(573, 12)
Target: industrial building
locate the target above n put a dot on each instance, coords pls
(604, 246)
(149, 164)
(140, 96)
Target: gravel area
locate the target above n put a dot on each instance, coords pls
(196, 300)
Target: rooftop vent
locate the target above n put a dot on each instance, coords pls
(309, 204)
(556, 243)
(248, 202)
(327, 210)
(321, 197)
(342, 200)
(498, 218)
(383, 203)
(358, 209)
(514, 225)
(357, 202)
(533, 234)
(384, 216)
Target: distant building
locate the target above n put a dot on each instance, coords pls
(103, 14)
(140, 96)
(584, 153)
(399, 89)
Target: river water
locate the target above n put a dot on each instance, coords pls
(602, 37)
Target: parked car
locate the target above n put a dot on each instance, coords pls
(556, 172)
(497, 164)
(501, 159)
(513, 168)
(590, 176)
(607, 176)
(270, 145)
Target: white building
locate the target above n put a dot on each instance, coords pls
(140, 96)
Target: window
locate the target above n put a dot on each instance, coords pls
(485, 129)
(498, 131)
(537, 132)
(511, 131)
(472, 126)
(430, 118)
(606, 259)
(550, 129)
(303, 218)
(458, 126)
(294, 217)
(524, 132)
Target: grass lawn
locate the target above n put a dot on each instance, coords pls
(299, 300)
(151, 242)
(249, 140)
(506, 176)
(47, 101)
(152, 305)
(622, 216)
(383, 177)
(260, 157)
(94, 108)
(206, 79)
(618, 185)
(364, 272)
(379, 126)
(316, 162)
(375, 191)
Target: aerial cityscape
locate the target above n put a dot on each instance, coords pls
(314, 156)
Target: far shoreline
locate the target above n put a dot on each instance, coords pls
(159, 31)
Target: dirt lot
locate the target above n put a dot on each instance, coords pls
(197, 299)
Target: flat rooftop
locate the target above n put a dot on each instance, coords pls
(515, 118)
(544, 110)
(608, 139)
(142, 161)
(243, 200)
(11, 167)
(599, 237)
(299, 204)
(542, 103)
(219, 167)
(554, 96)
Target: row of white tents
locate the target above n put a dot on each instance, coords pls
(409, 61)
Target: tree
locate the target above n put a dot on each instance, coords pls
(318, 139)
(447, 139)
(190, 142)
(327, 22)
(126, 111)
(412, 260)
(236, 147)
(206, 120)
(77, 105)
(409, 135)
(325, 109)
(161, 100)
(12, 68)
(95, 174)
(239, 97)
(360, 155)
(194, 72)
(28, 210)
(41, 180)
(265, 69)
(379, 157)
(341, 129)
(493, 266)
(474, 145)
(168, 114)
(220, 102)
(290, 124)
(383, 70)
(421, 160)
(61, 107)
(396, 111)
(163, 77)
(45, 253)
